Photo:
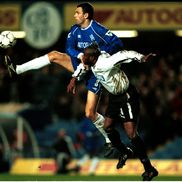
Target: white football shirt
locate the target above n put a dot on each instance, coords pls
(108, 72)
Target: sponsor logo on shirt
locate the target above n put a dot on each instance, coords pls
(83, 44)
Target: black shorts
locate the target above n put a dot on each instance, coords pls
(125, 106)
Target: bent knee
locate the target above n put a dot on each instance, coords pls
(55, 55)
(90, 115)
(108, 124)
(108, 128)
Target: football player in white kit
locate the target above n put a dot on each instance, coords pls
(123, 102)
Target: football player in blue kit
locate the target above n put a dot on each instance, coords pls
(84, 32)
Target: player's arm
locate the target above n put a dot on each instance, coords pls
(78, 75)
(71, 87)
(114, 43)
(80, 72)
(125, 57)
(147, 57)
(109, 42)
(71, 44)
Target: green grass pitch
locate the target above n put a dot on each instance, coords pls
(8, 177)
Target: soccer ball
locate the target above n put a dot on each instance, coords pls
(7, 39)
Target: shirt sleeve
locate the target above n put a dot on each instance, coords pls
(71, 43)
(120, 58)
(80, 72)
(109, 42)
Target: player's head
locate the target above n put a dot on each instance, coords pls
(87, 8)
(91, 54)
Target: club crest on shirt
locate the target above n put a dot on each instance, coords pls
(92, 38)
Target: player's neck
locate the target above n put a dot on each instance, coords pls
(94, 61)
(85, 24)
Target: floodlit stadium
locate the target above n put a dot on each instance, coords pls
(44, 134)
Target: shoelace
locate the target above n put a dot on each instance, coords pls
(8, 66)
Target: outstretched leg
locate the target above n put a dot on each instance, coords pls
(97, 119)
(59, 58)
(114, 136)
(140, 150)
(139, 146)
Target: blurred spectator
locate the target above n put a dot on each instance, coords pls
(92, 142)
(4, 164)
(65, 152)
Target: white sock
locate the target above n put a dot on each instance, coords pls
(82, 161)
(33, 64)
(99, 123)
(93, 165)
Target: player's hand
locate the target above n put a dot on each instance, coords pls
(86, 66)
(147, 57)
(72, 86)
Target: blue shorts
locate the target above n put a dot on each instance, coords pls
(92, 84)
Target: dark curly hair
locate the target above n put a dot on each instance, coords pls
(93, 49)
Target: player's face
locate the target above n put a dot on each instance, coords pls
(79, 16)
(88, 59)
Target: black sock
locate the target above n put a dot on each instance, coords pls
(146, 164)
(114, 136)
(140, 150)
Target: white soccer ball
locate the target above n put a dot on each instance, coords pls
(7, 39)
